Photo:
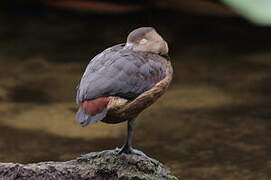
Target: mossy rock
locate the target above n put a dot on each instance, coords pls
(105, 165)
(110, 165)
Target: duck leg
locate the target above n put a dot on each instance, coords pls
(127, 147)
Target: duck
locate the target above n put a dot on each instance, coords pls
(123, 80)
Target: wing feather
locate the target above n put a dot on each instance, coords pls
(120, 72)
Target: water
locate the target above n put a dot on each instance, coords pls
(213, 123)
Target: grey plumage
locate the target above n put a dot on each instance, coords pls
(85, 119)
(120, 72)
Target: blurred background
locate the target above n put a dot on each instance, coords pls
(213, 122)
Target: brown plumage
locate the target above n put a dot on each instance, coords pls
(123, 80)
(122, 110)
(95, 106)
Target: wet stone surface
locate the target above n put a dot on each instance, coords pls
(110, 163)
(97, 165)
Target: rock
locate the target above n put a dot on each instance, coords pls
(97, 165)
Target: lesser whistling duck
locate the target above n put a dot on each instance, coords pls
(123, 80)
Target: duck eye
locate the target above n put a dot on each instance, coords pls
(143, 41)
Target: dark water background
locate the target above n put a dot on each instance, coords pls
(213, 123)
